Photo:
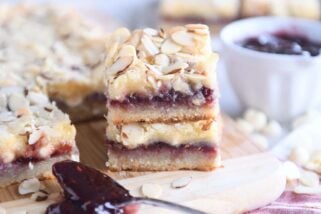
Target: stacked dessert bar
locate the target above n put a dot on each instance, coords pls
(34, 134)
(162, 100)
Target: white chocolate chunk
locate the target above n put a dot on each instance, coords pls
(151, 190)
(244, 126)
(273, 129)
(257, 118)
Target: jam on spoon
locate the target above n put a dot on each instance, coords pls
(87, 190)
(283, 43)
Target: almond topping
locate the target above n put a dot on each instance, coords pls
(29, 186)
(170, 47)
(162, 59)
(151, 31)
(151, 190)
(120, 65)
(183, 38)
(41, 195)
(35, 136)
(181, 182)
(174, 68)
(149, 45)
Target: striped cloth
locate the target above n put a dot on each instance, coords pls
(292, 203)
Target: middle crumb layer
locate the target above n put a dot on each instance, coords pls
(189, 132)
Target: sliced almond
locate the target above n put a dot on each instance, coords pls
(181, 182)
(120, 65)
(151, 190)
(149, 46)
(308, 178)
(36, 98)
(135, 38)
(180, 85)
(17, 101)
(169, 47)
(40, 195)
(174, 68)
(29, 186)
(150, 31)
(35, 136)
(183, 38)
(127, 51)
(162, 59)
(153, 69)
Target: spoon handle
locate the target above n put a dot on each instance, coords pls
(160, 203)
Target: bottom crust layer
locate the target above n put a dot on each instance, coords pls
(163, 157)
(19, 171)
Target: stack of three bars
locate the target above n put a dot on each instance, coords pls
(163, 111)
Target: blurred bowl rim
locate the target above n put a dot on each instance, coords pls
(224, 37)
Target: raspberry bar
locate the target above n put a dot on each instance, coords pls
(64, 60)
(162, 100)
(214, 13)
(34, 134)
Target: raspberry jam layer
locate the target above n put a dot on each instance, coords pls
(283, 43)
(168, 98)
(30, 156)
(208, 149)
(87, 190)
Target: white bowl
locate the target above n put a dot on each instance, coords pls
(283, 86)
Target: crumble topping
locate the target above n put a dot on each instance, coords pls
(37, 50)
(30, 125)
(149, 61)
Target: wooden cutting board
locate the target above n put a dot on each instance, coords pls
(249, 178)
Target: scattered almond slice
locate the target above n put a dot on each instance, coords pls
(308, 178)
(29, 186)
(169, 47)
(151, 190)
(181, 182)
(162, 59)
